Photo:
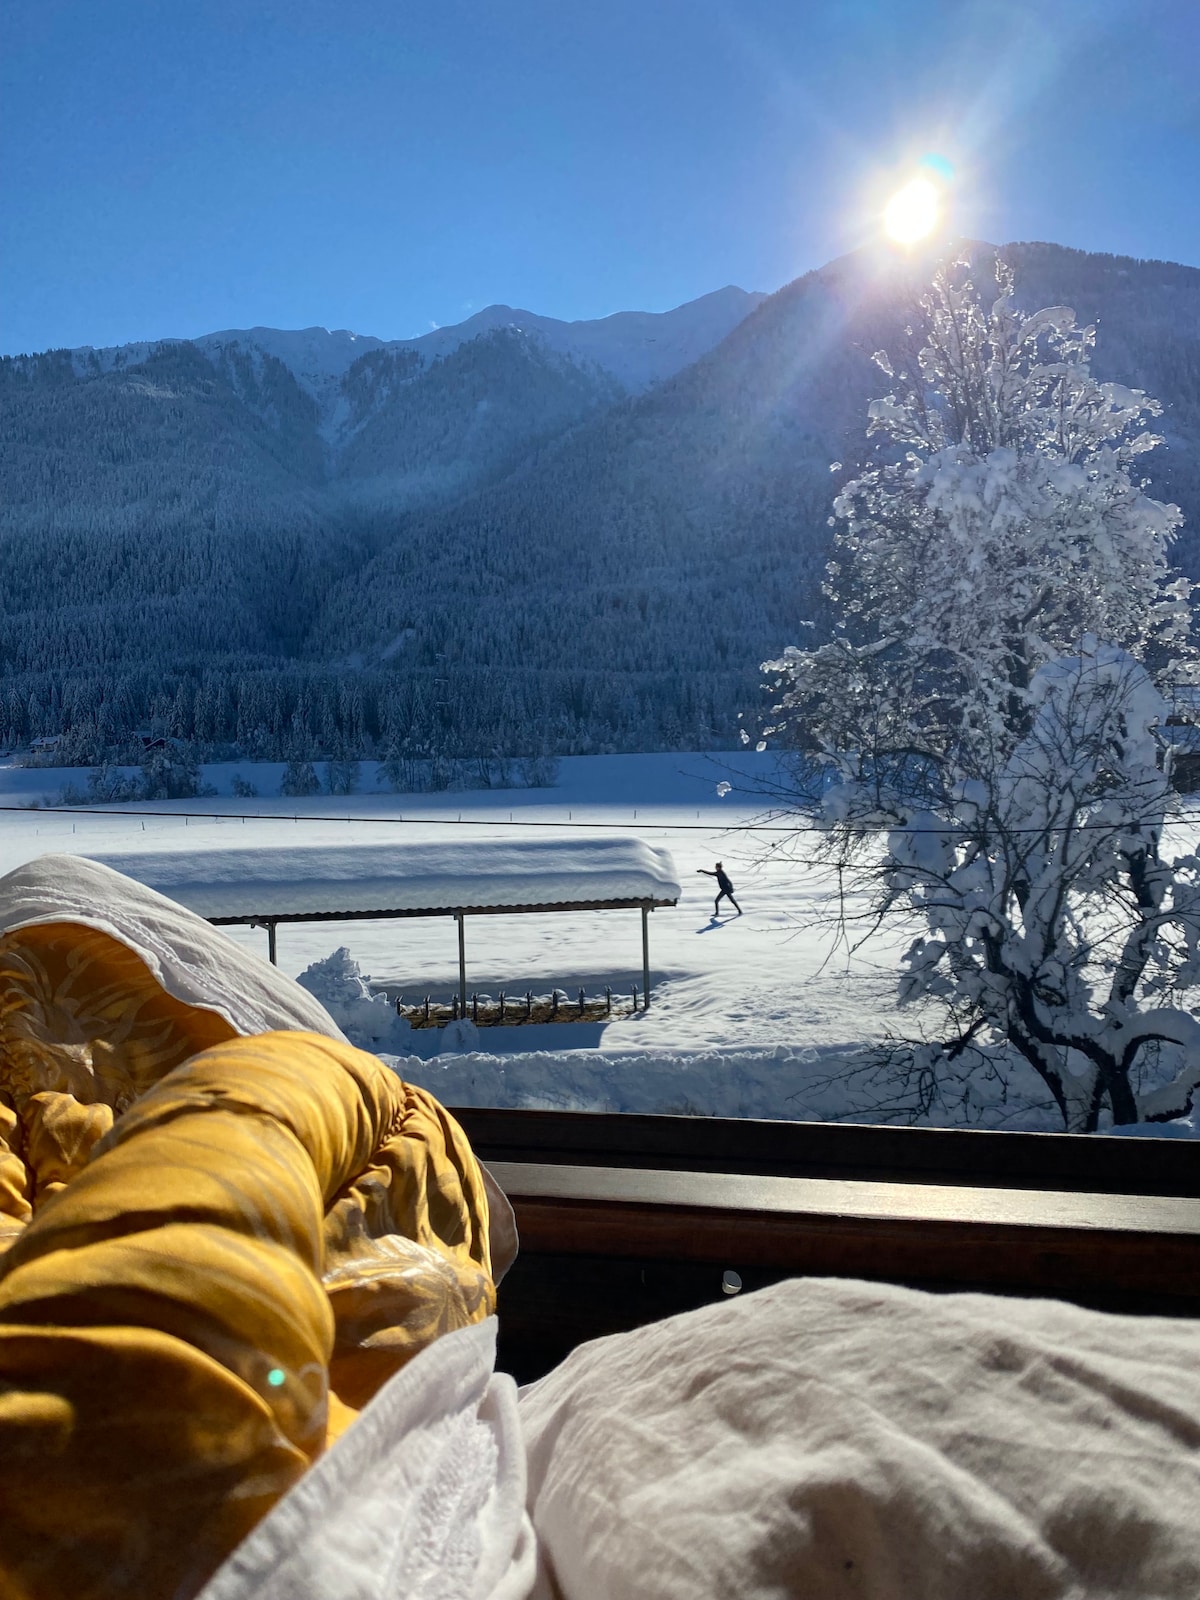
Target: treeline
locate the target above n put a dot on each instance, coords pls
(296, 714)
(171, 771)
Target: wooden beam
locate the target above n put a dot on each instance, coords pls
(383, 914)
(645, 955)
(1028, 1241)
(462, 965)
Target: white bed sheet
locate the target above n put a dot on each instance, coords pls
(191, 959)
(423, 1498)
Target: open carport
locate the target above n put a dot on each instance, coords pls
(266, 886)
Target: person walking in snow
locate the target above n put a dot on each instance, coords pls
(724, 885)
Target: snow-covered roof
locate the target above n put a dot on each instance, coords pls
(477, 874)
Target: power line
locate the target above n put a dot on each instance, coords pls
(949, 829)
(424, 822)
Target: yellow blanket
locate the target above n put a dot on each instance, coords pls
(214, 1258)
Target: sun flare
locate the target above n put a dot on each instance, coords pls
(912, 212)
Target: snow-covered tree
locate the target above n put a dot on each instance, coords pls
(986, 720)
(299, 779)
(171, 772)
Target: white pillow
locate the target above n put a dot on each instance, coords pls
(422, 1498)
(828, 1439)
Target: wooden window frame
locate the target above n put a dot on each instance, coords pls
(625, 1218)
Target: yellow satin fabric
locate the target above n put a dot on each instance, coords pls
(84, 1029)
(199, 1291)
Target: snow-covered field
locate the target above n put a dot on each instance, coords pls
(738, 982)
(753, 1015)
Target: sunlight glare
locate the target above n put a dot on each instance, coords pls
(912, 212)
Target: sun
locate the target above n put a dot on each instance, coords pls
(912, 212)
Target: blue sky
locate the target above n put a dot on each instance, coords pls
(179, 166)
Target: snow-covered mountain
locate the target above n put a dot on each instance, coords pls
(435, 415)
(637, 348)
(318, 358)
(489, 543)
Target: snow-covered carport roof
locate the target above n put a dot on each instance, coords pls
(477, 877)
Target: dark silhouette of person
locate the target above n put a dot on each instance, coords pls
(724, 885)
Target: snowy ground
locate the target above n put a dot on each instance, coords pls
(751, 1015)
(753, 980)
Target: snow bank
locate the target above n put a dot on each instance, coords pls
(1183, 1128)
(458, 1036)
(368, 1020)
(291, 881)
(787, 1083)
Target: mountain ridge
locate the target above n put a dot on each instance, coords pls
(317, 355)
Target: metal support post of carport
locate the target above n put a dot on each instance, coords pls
(269, 924)
(462, 964)
(645, 955)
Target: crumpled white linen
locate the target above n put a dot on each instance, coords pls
(839, 1440)
(422, 1498)
(192, 960)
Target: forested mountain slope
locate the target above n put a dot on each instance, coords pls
(416, 436)
(687, 531)
(496, 548)
(188, 506)
(142, 510)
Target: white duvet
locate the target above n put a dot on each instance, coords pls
(823, 1440)
(836, 1440)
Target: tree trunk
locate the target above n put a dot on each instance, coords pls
(1120, 1096)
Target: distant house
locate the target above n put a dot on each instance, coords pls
(158, 741)
(46, 742)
